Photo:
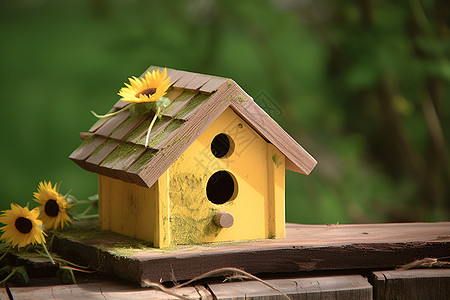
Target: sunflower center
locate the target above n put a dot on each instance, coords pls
(23, 225)
(51, 208)
(146, 92)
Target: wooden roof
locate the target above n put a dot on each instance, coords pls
(115, 146)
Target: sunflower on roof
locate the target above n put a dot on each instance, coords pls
(152, 86)
(145, 94)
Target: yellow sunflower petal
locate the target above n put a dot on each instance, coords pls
(53, 206)
(21, 226)
(152, 86)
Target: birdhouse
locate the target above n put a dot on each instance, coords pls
(213, 170)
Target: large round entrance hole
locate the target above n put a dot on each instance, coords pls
(221, 145)
(221, 187)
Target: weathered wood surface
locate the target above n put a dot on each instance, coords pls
(420, 284)
(94, 291)
(346, 287)
(336, 287)
(305, 248)
(416, 284)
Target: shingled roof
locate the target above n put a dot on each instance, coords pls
(115, 147)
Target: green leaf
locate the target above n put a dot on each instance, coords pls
(163, 102)
(21, 276)
(66, 275)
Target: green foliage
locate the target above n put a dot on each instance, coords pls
(361, 87)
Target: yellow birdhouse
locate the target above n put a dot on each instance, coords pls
(213, 170)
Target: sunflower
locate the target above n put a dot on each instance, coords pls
(21, 226)
(152, 86)
(54, 205)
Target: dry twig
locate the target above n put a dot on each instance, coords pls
(426, 263)
(221, 271)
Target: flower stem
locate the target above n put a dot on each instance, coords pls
(158, 111)
(6, 252)
(46, 251)
(9, 276)
(113, 113)
(85, 217)
(92, 206)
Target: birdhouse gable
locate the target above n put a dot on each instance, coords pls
(115, 147)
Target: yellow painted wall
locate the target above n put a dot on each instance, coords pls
(133, 210)
(176, 210)
(250, 162)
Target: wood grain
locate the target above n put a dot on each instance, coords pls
(213, 84)
(305, 248)
(415, 284)
(93, 291)
(297, 159)
(223, 219)
(197, 82)
(350, 287)
(112, 123)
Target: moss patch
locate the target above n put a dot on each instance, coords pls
(276, 160)
(87, 140)
(183, 97)
(125, 150)
(99, 148)
(81, 232)
(171, 127)
(144, 160)
(193, 104)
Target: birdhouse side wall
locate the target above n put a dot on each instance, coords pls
(133, 210)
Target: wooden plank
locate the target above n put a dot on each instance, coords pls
(198, 81)
(178, 103)
(297, 158)
(347, 287)
(120, 162)
(87, 147)
(126, 127)
(305, 248)
(415, 284)
(213, 84)
(94, 291)
(93, 161)
(141, 131)
(184, 79)
(112, 123)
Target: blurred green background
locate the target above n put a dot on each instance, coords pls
(363, 85)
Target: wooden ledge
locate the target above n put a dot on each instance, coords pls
(305, 248)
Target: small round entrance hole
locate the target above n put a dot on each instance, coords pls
(220, 187)
(220, 145)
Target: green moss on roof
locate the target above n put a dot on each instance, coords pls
(185, 95)
(138, 131)
(144, 160)
(87, 141)
(193, 104)
(103, 145)
(142, 129)
(122, 151)
(171, 127)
